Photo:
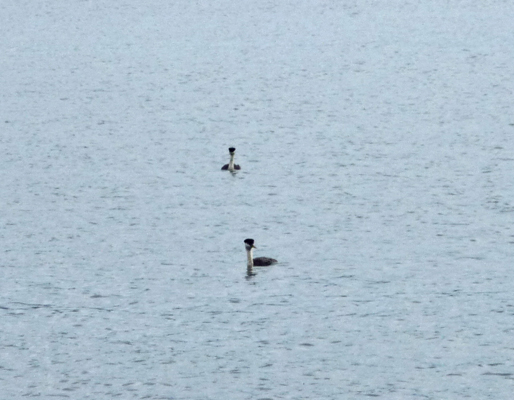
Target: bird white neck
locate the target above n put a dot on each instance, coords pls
(231, 163)
(249, 255)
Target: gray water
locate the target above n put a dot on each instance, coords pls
(376, 145)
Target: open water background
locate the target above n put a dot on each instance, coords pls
(376, 145)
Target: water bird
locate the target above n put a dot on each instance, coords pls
(231, 166)
(259, 261)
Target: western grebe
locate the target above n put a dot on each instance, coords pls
(231, 166)
(259, 261)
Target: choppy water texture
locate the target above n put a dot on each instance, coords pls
(376, 145)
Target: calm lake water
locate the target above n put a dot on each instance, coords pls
(376, 144)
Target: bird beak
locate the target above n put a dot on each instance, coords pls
(253, 247)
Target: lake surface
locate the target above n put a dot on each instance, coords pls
(376, 144)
